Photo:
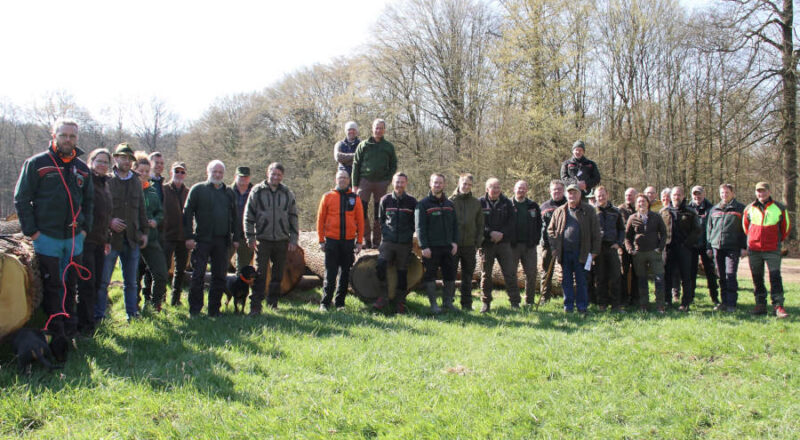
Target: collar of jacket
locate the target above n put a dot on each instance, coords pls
(171, 185)
(723, 205)
(435, 199)
(347, 190)
(758, 204)
(459, 195)
(76, 152)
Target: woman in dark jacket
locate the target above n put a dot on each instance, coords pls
(96, 245)
(645, 238)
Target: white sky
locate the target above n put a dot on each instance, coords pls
(187, 53)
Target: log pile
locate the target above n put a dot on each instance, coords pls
(20, 283)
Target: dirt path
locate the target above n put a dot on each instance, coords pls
(790, 269)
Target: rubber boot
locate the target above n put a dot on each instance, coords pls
(400, 292)
(430, 289)
(448, 295)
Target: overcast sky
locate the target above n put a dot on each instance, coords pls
(186, 53)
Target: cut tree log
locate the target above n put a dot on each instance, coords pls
(20, 283)
(363, 277)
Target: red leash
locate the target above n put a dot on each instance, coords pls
(78, 267)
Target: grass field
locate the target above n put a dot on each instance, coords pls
(299, 373)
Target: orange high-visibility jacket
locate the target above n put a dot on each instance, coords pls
(340, 216)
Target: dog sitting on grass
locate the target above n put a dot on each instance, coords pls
(30, 345)
(237, 287)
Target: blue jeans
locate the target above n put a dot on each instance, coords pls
(129, 258)
(573, 272)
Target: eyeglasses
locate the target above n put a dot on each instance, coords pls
(179, 172)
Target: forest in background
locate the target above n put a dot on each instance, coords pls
(661, 96)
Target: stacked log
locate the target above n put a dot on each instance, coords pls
(20, 283)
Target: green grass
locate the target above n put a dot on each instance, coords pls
(299, 373)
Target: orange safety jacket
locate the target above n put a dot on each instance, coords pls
(340, 216)
(766, 225)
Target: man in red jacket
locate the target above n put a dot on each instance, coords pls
(340, 227)
(766, 223)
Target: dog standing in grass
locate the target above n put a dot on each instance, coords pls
(238, 286)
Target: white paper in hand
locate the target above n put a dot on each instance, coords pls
(588, 265)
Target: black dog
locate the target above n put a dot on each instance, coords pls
(59, 342)
(30, 345)
(237, 287)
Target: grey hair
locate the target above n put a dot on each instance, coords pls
(214, 163)
(378, 121)
(60, 122)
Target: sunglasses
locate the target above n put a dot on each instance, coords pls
(179, 172)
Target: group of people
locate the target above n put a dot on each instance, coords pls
(83, 216)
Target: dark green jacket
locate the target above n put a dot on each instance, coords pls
(470, 219)
(41, 200)
(436, 222)
(153, 210)
(724, 229)
(374, 161)
(528, 222)
(128, 203)
(211, 212)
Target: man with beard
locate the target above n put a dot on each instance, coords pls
(54, 200)
(437, 232)
(209, 224)
(470, 232)
(128, 232)
(271, 227)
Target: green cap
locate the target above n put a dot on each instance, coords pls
(243, 171)
(124, 150)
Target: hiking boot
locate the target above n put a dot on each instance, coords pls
(683, 309)
(448, 295)
(662, 310)
(759, 309)
(430, 290)
(780, 312)
(400, 308)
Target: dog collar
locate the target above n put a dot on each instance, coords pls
(246, 281)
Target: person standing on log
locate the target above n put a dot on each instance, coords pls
(437, 232)
(766, 223)
(340, 228)
(579, 170)
(345, 150)
(527, 234)
(210, 223)
(241, 188)
(629, 282)
(396, 214)
(54, 199)
(374, 163)
(702, 206)
(96, 246)
(470, 232)
(175, 252)
(574, 234)
(128, 232)
(271, 228)
(557, 199)
(727, 243)
(499, 225)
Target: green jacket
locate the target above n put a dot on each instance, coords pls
(374, 161)
(211, 212)
(153, 211)
(470, 219)
(436, 222)
(41, 200)
(724, 229)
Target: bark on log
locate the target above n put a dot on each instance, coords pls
(363, 278)
(20, 283)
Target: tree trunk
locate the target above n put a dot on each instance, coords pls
(20, 283)
(789, 128)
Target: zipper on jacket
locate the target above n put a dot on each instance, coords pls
(342, 216)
